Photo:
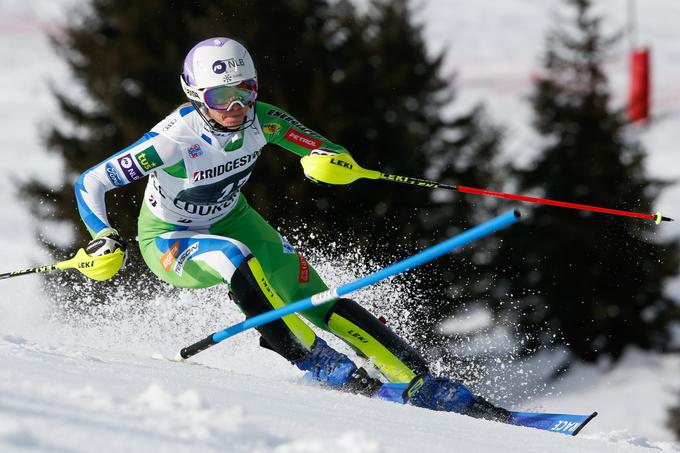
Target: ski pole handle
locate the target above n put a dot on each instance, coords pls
(332, 294)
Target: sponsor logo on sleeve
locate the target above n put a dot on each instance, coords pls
(303, 274)
(171, 123)
(292, 121)
(195, 151)
(113, 175)
(131, 171)
(271, 128)
(301, 139)
(149, 159)
(184, 257)
(169, 257)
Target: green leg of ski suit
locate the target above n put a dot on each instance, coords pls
(265, 272)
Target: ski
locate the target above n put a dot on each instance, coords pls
(569, 424)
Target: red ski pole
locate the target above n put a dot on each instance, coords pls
(342, 169)
(658, 218)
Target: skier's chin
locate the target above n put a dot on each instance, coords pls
(229, 120)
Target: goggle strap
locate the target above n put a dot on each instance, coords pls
(189, 91)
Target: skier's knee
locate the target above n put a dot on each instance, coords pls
(290, 336)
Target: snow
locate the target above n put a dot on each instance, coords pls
(639, 384)
(97, 400)
(101, 382)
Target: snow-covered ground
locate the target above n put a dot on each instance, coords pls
(57, 396)
(100, 384)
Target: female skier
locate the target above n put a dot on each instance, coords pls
(197, 230)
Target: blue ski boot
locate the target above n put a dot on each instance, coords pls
(326, 365)
(443, 394)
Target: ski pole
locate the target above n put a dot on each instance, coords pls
(332, 294)
(342, 169)
(95, 267)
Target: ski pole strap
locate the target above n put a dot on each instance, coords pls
(332, 294)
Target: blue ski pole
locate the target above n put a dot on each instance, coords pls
(332, 294)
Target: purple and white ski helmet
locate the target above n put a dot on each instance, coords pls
(216, 62)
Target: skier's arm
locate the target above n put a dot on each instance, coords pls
(282, 129)
(150, 153)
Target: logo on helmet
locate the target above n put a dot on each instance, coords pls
(220, 66)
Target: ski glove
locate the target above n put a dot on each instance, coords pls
(326, 167)
(316, 152)
(107, 241)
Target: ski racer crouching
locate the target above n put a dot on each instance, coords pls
(197, 230)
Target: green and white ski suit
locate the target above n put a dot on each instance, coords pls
(197, 230)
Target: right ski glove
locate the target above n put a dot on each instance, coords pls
(105, 242)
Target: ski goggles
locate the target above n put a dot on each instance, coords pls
(223, 97)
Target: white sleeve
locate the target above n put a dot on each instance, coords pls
(148, 154)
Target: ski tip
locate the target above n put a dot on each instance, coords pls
(585, 422)
(178, 358)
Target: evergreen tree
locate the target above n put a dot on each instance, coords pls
(364, 81)
(594, 280)
(674, 420)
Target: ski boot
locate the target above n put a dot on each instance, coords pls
(327, 366)
(443, 394)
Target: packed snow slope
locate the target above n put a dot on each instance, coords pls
(61, 397)
(73, 381)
